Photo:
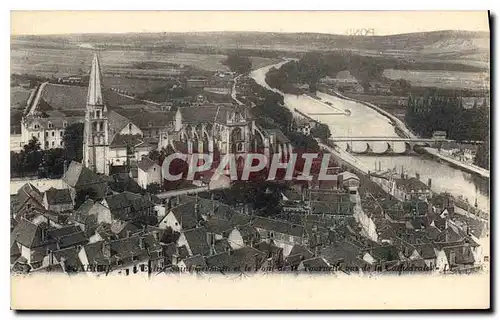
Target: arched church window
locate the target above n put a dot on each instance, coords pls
(239, 147)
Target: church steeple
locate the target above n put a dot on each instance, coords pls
(96, 143)
(94, 95)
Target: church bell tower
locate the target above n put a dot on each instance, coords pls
(96, 140)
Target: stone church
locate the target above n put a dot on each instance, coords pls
(120, 130)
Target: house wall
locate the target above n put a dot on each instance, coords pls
(153, 175)
(118, 155)
(170, 221)
(182, 241)
(60, 207)
(40, 218)
(142, 178)
(430, 263)
(235, 239)
(95, 238)
(132, 129)
(102, 212)
(26, 253)
(48, 138)
(441, 261)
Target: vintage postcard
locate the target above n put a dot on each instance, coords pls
(243, 160)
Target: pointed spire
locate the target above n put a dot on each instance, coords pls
(94, 96)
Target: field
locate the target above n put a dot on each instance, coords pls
(18, 97)
(441, 79)
(60, 62)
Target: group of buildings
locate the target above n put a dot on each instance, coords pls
(121, 131)
(101, 222)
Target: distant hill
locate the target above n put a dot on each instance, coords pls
(438, 45)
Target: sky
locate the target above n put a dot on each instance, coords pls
(337, 22)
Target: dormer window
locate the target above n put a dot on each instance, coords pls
(50, 125)
(150, 123)
(65, 124)
(36, 126)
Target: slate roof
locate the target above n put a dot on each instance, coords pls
(119, 203)
(121, 140)
(195, 262)
(58, 196)
(249, 234)
(197, 240)
(145, 164)
(150, 119)
(426, 251)
(124, 251)
(221, 245)
(243, 259)
(29, 191)
(28, 234)
(301, 251)
(218, 226)
(117, 123)
(411, 184)
(293, 260)
(317, 264)
(186, 215)
(278, 226)
(344, 251)
(207, 114)
(385, 253)
(463, 255)
(339, 208)
(82, 213)
(271, 250)
(69, 258)
(78, 176)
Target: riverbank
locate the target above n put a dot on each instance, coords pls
(463, 166)
(366, 120)
(401, 129)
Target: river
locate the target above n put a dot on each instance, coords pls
(364, 121)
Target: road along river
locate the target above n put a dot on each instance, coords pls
(365, 121)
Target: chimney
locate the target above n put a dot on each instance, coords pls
(43, 234)
(429, 182)
(209, 238)
(106, 250)
(141, 242)
(51, 256)
(417, 175)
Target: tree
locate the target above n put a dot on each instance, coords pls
(153, 188)
(321, 131)
(73, 142)
(238, 63)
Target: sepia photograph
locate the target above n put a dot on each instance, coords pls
(261, 154)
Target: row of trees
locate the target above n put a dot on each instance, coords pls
(316, 65)
(437, 112)
(238, 63)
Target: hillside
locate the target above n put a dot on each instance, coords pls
(437, 44)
